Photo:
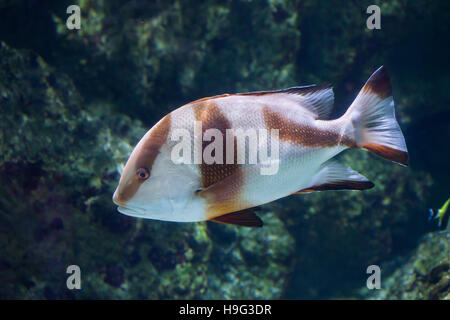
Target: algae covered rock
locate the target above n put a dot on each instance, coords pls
(425, 274)
(250, 263)
(161, 54)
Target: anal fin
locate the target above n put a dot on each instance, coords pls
(244, 218)
(339, 185)
(335, 176)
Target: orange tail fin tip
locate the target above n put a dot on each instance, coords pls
(395, 155)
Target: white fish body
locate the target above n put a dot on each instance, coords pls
(188, 192)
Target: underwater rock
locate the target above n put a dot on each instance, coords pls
(425, 274)
(255, 264)
(114, 276)
(160, 55)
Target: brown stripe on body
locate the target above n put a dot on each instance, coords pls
(290, 131)
(143, 157)
(224, 197)
(151, 146)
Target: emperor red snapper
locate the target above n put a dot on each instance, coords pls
(156, 185)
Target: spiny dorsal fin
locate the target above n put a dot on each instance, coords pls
(244, 218)
(335, 176)
(318, 99)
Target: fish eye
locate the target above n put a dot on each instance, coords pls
(143, 173)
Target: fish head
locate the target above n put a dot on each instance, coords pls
(152, 185)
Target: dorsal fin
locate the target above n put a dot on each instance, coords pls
(318, 99)
(244, 218)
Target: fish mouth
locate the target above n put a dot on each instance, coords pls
(133, 212)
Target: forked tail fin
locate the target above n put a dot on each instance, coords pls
(373, 122)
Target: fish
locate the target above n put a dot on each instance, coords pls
(440, 214)
(294, 122)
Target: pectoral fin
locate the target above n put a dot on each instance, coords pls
(244, 218)
(225, 196)
(335, 176)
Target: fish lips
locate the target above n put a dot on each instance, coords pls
(133, 212)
